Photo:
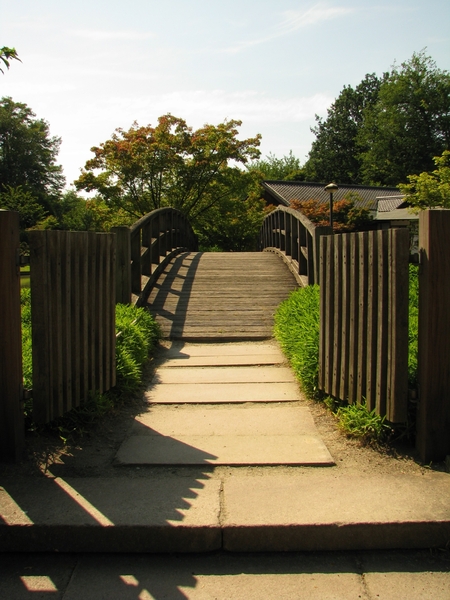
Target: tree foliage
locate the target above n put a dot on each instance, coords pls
(22, 201)
(386, 128)
(147, 167)
(28, 155)
(6, 54)
(334, 154)
(346, 217)
(287, 168)
(430, 189)
(408, 125)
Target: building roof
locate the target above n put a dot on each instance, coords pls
(398, 214)
(282, 192)
(387, 204)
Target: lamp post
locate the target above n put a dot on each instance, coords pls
(331, 188)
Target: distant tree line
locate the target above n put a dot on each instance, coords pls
(389, 130)
(386, 128)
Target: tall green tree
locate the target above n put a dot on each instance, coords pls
(28, 155)
(335, 154)
(147, 167)
(408, 125)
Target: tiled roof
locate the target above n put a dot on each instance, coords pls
(285, 191)
(393, 203)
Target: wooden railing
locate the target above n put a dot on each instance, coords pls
(145, 249)
(295, 238)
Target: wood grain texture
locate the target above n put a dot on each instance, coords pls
(11, 414)
(220, 295)
(433, 429)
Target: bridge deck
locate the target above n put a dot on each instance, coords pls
(220, 295)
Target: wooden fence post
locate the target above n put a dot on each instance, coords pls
(433, 418)
(123, 264)
(11, 383)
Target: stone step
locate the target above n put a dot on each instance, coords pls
(219, 375)
(239, 512)
(211, 393)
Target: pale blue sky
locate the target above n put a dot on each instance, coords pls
(91, 66)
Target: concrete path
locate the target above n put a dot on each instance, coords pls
(419, 575)
(224, 474)
(239, 426)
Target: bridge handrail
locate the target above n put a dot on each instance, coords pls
(144, 249)
(291, 235)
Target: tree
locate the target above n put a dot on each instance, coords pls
(28, 155)
(286, 168)
(334, 154)
(235, 222)
(23, 202)
(6, 54)
(430, 190)
(346, 217)
(147, 167)
(408, 125)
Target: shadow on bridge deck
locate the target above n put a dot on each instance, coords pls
(220, 296)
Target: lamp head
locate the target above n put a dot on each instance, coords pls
(331, 188)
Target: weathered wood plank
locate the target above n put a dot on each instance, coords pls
(433, 439)
(397, 390)
(11, 396)
(212, 295)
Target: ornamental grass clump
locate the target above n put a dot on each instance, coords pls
(358, 422)
(297, 331)
(137, 334)
(413, 318)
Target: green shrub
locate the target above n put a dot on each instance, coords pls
(138, 333)
(297, 331)
(357, 421)
(27, 365)
(413, 324)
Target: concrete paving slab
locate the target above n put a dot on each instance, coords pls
(174, 393)
(224, 450)
(247, 419)
(183, 350)
(224, 576)
(219, 360)
(211, 578)
(316, 510)
(111, 514)
(224, 375)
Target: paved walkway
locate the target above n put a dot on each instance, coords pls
(225, 576)
(224, 405)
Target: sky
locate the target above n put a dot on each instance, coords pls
(89, 67)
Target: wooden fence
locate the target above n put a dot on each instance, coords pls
(11, 389)
(433, 416)
(145, 249)
(295, 238)
(73, 318)
(363, 351)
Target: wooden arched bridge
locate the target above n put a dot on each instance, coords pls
(217, 295)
